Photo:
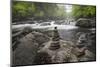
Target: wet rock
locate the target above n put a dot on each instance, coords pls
(88, 56)
(87, 23)
(82, 39)
(84, 47)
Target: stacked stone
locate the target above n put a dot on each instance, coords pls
(55, 44)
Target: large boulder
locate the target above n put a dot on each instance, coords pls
(26, 49)
(88, 23)
(40, 38)
(87, 40)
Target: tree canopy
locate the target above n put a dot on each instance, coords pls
(80, 11)
(22, 10)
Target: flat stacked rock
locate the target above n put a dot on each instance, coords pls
(54, 45)
(55, 40)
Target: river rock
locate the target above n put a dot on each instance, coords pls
(25, 51)
(85, 48)
(54, 45)
(27, 47)
(61, 55)
(40, 38)
(88, 23)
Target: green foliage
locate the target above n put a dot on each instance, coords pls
(83, 11)
(22, 10)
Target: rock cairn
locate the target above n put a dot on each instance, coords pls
(55, 40)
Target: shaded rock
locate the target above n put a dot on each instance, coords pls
(26, 50)
(92, 42)
(85, 49)
(88, 56)
(40, 37)
(88, 23)
(42, 58)
(18, 35)
(82, 39)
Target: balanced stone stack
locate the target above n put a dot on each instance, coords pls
(55, 40)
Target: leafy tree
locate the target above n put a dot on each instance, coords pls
(83, 11)
(22, 10)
